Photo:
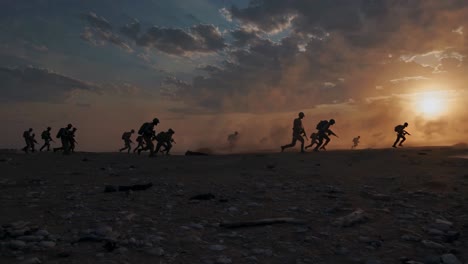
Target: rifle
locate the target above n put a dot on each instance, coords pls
(304, 134)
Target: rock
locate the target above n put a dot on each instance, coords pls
(435, 232)
(373, 261)
(47, 244)
(31, 261)
(432, 259)
(217, 247)
(17, 244)
(30, 238)
(156, 251)
(352, 219)
(442, 225)
(260, 251)
(433, 245)
(449, 259)
(223, 260)
(410, 238)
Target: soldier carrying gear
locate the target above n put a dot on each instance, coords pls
(298, 133)
(33, 142)
(47, 139)
(63, 134)
(126, 137)
(147, 132)
(401, 132)
(355, 142)
(324, 132)
(165, 140)
(313, 140)
(27, 140)
(71, 138)
(141, 144)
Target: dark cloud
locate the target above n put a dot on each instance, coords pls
(131, 30)
(176, 41)
(97, 21)
(244, 37)
(39, 85)
(99, 32)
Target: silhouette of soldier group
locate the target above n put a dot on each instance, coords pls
(145, 138)
(324, 132)
(164, 141)
(65, 134)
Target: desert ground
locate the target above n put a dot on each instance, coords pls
(363, 206)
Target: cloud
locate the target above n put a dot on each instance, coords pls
(96, 21)
(39, 85)
(131, 30)
(199, 39)
(99, 32)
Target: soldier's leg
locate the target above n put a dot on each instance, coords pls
(396, 141)
(293, 143)
(301, 139)
(403, 138)
(158, 147)
(327, 140)
(320, 141)
(168, 147)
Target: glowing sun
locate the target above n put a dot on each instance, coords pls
(431, 104)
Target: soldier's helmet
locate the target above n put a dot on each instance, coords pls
(170, 131)
(155, 121)
(133, 131)
(69, 126)
(49, 128)
(30, 129)
(301, 114)
(332, 121)
(406, 124)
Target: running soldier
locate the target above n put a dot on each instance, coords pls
(63, 134)
(165, 140)
(27, 140)
(126, 137)
(313, 140)
(324, 132)
(141, 144)
(298, 133)
(147, 132)
(401, 132)
(47, 139)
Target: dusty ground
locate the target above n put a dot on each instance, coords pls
(413, 201)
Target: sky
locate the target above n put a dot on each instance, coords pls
(207, 68)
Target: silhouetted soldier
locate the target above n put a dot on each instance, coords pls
(298, 133)
(63, 134)
(47, 139)
(232, 140)
(355, 142)
(147, 132)
(324, 132)
(71, 138)
(313, 140)
(27, 140)
(141, 144)
(401, 132)
(126, 136)
(33, 142)
(165, 140)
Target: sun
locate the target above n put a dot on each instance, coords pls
(431, 104)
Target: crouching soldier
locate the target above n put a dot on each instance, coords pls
(165, 140)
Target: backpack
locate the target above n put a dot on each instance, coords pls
(25, 134)
(60, 133)
(143, 128)
(321, 124)
(44, 135)
(159, 136)
(397, 128)
(124, 135)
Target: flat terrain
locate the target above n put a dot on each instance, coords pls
(363, 206)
